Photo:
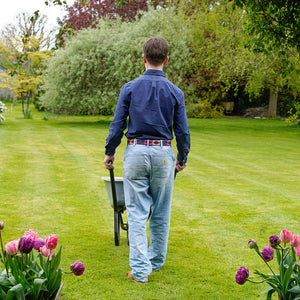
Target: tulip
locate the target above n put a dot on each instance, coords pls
(51, 241)
(297, 251)
(38, 243)
(12, 247)
(274, 240)
(25, 244)
(267, 253)
(77, 268)
(31, 234)
(286, 236)
(47, 252)
(1, 225)
(242, 275)
(295, 241)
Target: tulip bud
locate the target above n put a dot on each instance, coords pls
(252, 244)
(1, 225)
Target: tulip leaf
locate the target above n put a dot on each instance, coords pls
(287, 277)
(270, 293)
(16, 291)
(37, 286)
(295, 289)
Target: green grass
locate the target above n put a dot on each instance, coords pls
(242, 181)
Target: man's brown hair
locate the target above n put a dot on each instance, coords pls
(156, 50)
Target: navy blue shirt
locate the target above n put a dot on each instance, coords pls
(155, 107)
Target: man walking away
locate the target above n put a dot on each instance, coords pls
(155, 108)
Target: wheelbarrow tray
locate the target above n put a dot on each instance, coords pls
(119, 191)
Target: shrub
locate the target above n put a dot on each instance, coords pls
(85, 77)
(204, 110)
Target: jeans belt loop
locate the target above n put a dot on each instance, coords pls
(134, 142)
(161, 143)
(147, 143)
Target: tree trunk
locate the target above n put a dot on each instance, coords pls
(22, 99)
(272, 112)
(28, 96)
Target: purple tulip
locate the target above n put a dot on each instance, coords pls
(25, 244)
(38, 243)
(77, 268)
(242, 275)
(267, 253)
(274, 240)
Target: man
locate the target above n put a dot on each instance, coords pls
(155, 107)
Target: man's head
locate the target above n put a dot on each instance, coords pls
(156, 51)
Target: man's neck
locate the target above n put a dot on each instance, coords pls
(151, 67)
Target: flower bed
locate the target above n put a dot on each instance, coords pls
(286, 249)
(31, 267)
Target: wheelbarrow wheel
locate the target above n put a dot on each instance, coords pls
(117, 228)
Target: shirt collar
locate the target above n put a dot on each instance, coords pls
(154, 72)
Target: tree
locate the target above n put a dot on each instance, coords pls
(27, 26)
(84, 14)
(220, 61)
(24, 78)
(24, 52)
(273, 21)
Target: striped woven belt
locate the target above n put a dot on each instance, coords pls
(149, 142)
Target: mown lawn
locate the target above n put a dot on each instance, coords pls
(242, 181)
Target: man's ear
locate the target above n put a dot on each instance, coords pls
(144, 58)
(166, 60)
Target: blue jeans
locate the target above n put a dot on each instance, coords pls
(148, 184)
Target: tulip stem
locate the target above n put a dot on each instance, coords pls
(258, 282)
(257, 251)
(2, 254)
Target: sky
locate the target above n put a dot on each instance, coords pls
(9, 9)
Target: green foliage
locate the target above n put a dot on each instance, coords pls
(27, 114)
(221, 63)
(209, 60)
(31, 277)
(294, 114)
(273, 21)
(204, 110)
(85, 77)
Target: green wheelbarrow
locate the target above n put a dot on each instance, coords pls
(115, 192)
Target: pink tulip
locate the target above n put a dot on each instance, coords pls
(47, 252)
(295, 242)
(51, 241)
(31, 234)
(286, 236)
(12, 247)
(297, 251)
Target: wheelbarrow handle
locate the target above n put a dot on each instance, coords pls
(176, 171)
(113, 188)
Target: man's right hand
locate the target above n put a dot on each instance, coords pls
(180, 166)
(109, 162)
